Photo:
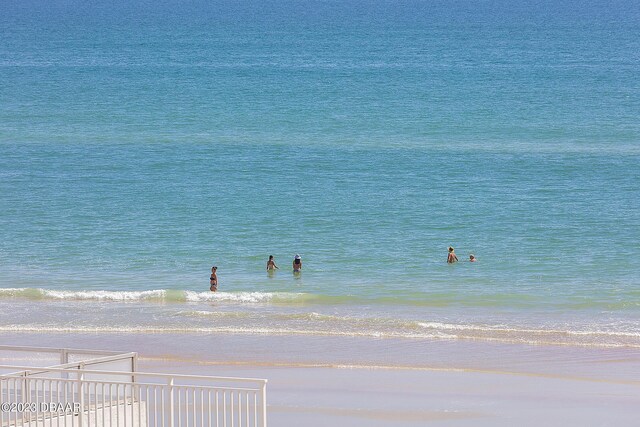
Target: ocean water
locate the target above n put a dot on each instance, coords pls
(143, 142)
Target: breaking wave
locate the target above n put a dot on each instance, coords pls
(159, 295)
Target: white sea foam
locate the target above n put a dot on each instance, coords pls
(214, 314)
(151, 295)
(220, 330)
(105, 295)
(504, 329)
(242, 297)
(284, 331)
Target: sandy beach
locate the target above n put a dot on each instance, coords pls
(504, 385)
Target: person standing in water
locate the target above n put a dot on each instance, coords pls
(297, 264)
(451, 258)
(213, 280)
(271, 264)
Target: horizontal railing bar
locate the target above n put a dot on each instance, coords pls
(144, 385)
(206, 388)
(58, 350)
(104, 359)
(137, 373)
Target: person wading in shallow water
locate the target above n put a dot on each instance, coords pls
(451, 258)
(297, 264)
(271, 264)
(213, 280)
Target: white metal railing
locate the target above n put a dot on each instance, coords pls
(65, 396)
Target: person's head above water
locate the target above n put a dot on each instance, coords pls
(450, 248)
(472, 257)
(270, 257)
(296, 257)
(214, 268)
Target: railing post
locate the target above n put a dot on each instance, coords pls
(171, 402)
(264, 403)
(64, 356)
(134, 366)
(81, 394)
(135, 389)
(25, 394)
(64, 359)
(2, 399)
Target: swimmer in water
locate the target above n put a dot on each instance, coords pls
(451, 258)
(271, 264)
(297, 264)
(472, 258)
(213, 280)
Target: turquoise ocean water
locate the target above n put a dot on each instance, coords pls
(143, 142)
